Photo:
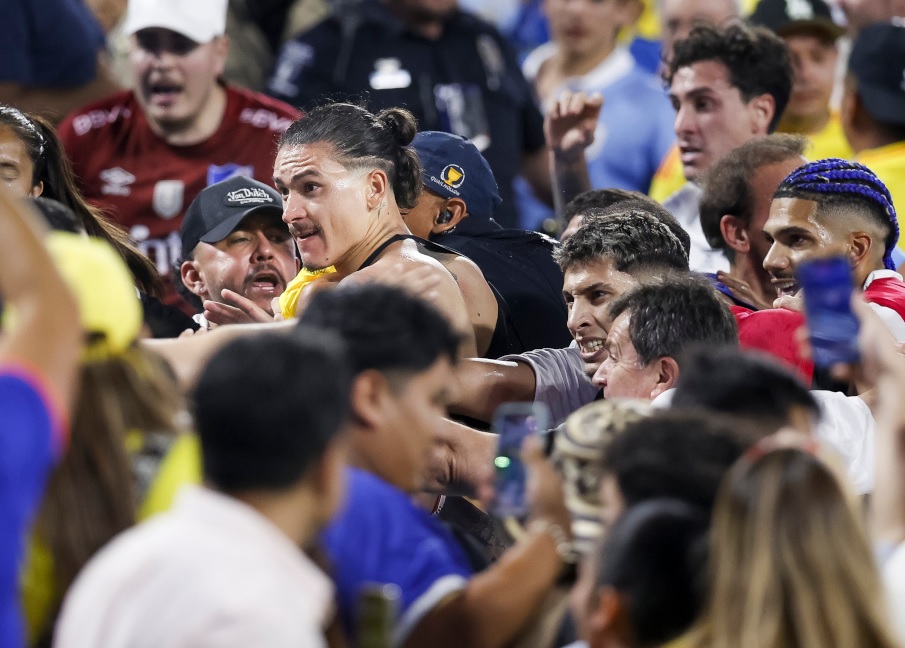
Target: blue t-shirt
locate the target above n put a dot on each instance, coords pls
(48, 43)
(634, 132)
(28, 450)
(381, 536)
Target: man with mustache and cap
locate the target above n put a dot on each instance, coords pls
(234, 243)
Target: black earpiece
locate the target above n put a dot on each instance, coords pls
(444, 217)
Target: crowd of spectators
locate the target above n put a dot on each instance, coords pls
(270, 269)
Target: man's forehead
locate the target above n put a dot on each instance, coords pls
(787, 211)
(711, 11)
(710, 75)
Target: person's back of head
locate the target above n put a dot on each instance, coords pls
(668, 316)
(651, 207)
(384, 328)
(790, 561)
(268, 406)
(756, 59)
(673, 453)
(747, 385)
(728, 186)
(654, 559)
(845, 190)
(873, 110)
(633, 241)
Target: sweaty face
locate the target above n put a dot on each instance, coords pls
(622, 375)
(764, 182)
(580, 27)
(420, 219)
(711, 117)
(174, 76)
(814, 65)
(678, 17)
(324, 203)
(796, 234)
(256, 260)
(588, 289)
(413, 418)
(16, 169)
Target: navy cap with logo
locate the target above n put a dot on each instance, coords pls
(219, 209)
(454, 168)
(788, 16)
(878, 65)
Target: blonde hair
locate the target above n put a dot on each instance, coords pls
(791, 565)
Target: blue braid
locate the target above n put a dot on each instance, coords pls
(841, 177)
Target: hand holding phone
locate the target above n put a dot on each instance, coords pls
(827, 286)
(513, 423)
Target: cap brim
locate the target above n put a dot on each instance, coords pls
(884, 105)
(197, 34)
(226, 227)
(825, 26)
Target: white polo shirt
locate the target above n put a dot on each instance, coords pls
(212, 571)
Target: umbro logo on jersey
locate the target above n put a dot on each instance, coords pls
(247, 196)
(116, 182)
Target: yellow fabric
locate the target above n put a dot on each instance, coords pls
(829, 142)
(180, 466)
(681, 642)
(888, 162)
(290, 297)
(669, 178)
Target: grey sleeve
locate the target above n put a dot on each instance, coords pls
(561, 383)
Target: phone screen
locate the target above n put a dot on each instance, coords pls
(513, 423)
(827, 285)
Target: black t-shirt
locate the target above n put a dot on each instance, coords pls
(521, 268)
(466, 82)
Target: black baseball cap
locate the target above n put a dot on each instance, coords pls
(878, 65)
(454, 167)
(219, 209)
(788, 16)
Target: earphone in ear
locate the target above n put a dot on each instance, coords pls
(444, 217)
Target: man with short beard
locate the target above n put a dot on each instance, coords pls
(143, 155)
(235, 244)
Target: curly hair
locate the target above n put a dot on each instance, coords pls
(756, 58)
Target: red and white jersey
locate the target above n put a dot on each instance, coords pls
(145, 184)
(884, 290)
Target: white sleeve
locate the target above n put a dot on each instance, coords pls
(560, 380)
(847, 424)
(893, 573)
(892, 321)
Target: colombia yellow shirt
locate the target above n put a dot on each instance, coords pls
(829, 142)
(888, 162)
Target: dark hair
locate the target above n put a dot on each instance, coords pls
(670, 316)
(384, 328)
(727, 185)
(839, 187)
(653, 208)
(655, 555)
(52, 167)
(364, 139)
(741, 383)
(682, 454)
(598, 199)
(58, 216)
(267, 406)
(756, 58)
(633, 240)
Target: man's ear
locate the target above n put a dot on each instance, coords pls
(370, 391)
(376, 192)
(457, 211)
(735, 234)
(860, 246)
(667, 375)
(193, 279)
(762, 109)
(605, 615)
(37, 190)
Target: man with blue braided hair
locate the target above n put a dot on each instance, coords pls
(837, 207)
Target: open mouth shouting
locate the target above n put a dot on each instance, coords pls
(785, 286)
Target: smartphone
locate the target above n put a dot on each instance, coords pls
(827, 285)
(513, 423)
